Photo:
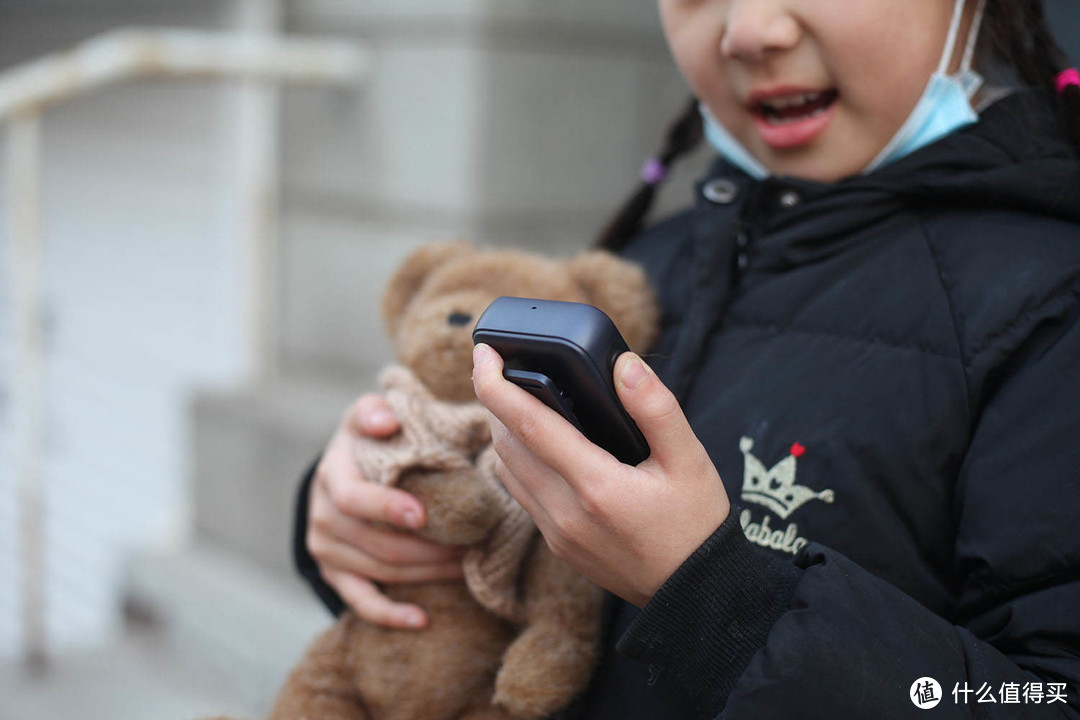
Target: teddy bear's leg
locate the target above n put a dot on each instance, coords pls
(321, 685)
(552, 660)
(487, 711)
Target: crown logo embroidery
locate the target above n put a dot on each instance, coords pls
(775, 487)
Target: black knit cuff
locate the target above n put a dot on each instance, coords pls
(700, 630)
(305, 564)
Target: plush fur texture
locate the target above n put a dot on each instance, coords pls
(520, 642)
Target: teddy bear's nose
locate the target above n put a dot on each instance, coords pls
(458, 318)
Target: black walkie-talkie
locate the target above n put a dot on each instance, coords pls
(564, 354)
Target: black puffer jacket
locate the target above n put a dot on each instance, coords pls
(886, 372)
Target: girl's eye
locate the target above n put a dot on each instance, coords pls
(458, 319)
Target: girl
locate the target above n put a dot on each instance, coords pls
(862, 497)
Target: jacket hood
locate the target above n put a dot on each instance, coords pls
(1015, 158)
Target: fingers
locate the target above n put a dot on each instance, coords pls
(326, 518)
(345, 538)
(339, 474)
(371, 605)
(534, 485)
(340, 556)
(549, 436)
(394, 548)
(655, 410)
(372, 415)
(350, 495)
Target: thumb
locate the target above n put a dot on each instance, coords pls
(655, 410)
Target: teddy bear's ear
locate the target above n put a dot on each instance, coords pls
(621, 289)
(410, 276)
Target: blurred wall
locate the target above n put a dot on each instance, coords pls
(140, 283)
(506, 121)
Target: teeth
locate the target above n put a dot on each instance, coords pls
(781, 103)
(800, 118)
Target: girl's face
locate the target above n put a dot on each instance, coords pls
(812, 88)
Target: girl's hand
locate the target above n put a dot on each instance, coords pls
(351, 552)
(626, 528)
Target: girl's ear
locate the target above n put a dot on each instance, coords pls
(621, 289)
(410, 277)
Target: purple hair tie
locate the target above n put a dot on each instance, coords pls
(1065, 78)
(653, 171)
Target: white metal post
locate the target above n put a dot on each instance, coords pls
(28, 407)
(257, 190)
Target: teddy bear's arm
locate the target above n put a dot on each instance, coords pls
(321, 686)
(552, 660)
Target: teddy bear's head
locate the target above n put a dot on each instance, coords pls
(435, 298)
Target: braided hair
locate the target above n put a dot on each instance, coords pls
(683, 136)
(1035, 55)
(1016, 35)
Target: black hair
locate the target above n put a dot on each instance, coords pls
(1034, 55)
(1015, 33)
(683, 136)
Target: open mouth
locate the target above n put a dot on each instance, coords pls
(786, 109)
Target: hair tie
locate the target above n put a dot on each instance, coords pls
(653, 171)
(1065, 78)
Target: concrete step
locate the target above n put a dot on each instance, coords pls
(133, 678)
(224, 621)
(250, 449)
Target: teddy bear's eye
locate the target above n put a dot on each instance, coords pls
(458, 318)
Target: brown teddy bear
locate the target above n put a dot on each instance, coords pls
(518, 638)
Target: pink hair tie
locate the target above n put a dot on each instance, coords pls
(653, 171)
(1065, 78)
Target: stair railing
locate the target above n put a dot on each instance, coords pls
(263, 61)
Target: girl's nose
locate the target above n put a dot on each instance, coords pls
(754, 29)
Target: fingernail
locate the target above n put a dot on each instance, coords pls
(634, 372)
(380, 417)
(411, 518)
(481, 354)
(413, 618)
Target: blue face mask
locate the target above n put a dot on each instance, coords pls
(728, 147)
(945, 106)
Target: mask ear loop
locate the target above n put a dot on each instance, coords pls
(943, 66)
(950, 41)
